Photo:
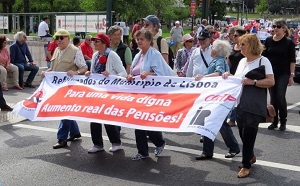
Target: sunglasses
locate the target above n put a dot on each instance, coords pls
(189, 41)
(277, 26)
(59, 38)
(236, 35)
(97, 41)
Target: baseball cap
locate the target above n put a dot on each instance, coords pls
(152, 19)
(204, 34)
(177, 22)
(62, 32)
(103, 37)
(186, 37)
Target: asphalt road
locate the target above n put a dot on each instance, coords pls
(27, 157)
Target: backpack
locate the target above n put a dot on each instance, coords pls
(171, 57)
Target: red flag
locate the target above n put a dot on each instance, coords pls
(235, 22)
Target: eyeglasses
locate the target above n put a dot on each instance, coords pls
(236, 35)
(146, 24)
(59, 38)
(243, 44)
(88, 40)
(201, 39)
(97, 41)
(277, 26)
(190, 41)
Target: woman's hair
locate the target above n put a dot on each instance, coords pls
(146, 33)
(222, 48)
(240, 31)
(254, 45)
(19, 36)
(2, 39)
(283, 24)
(113, 29)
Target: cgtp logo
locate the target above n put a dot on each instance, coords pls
(32, 102)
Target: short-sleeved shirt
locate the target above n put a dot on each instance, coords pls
(43, 26)
(245, 66)
(86, 50)
(176, 34)
(51, 47)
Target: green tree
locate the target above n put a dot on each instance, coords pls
(262, 7)
(217, 10)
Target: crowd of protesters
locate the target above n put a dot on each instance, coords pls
(203, 53)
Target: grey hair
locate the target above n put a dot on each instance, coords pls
(222, 48)
(19, 36)
(88, 37)
(113, 29)
(146, 33)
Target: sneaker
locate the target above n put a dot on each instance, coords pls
(138, 157)
(95, 149)
(159, 150)
(115, 148)
(231, 123)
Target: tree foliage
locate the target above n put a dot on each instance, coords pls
(262, 7)
(217, 10)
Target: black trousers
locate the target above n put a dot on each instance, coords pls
(278, 99)
(112, 131)
(248, 127)
(142, 142)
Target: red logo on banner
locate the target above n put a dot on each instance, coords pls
(33, 101)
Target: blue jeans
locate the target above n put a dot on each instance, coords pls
(228, 137)
(48, 64)
(277, 95)
(66, 126)
(112, 131)
(88, 64)
(26, 67)
(232, 115)
(142, 142)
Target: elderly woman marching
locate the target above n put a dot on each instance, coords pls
(220, 50)
(105, 61)
(148, 62)
(257, 75)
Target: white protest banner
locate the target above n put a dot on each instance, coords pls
(82, 23)
(3, 22)
(171, 104)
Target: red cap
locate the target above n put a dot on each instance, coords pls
(104, 38)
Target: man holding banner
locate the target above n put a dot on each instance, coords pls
(67, 58)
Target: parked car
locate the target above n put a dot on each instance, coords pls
(297, 68)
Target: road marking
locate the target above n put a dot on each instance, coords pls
(179, 149)
(293, 106)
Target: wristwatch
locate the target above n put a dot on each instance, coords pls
(255, 81)
(292, 73)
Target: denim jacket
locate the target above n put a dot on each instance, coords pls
(218, 64)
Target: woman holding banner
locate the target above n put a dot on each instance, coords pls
(148, 62)
(218, 66)
(257, 75)
(105, 61)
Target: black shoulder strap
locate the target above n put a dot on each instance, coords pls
(260, 61)
(203, 58)
(159, 43)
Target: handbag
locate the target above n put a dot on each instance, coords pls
(271, 113)
(257, 73)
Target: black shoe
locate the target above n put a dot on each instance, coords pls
(272, 126)
(29, 85)
(203, 157)
(282, 127)
(201, 139)
(6, 108)
(72, 138)
(60, 144)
